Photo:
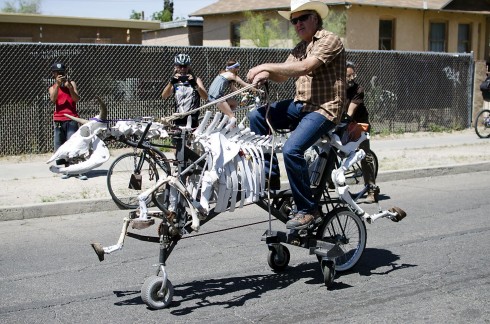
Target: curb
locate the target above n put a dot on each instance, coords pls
(71, 207)
(404, 174)
(68, 207)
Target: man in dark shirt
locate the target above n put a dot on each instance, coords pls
(358, 112)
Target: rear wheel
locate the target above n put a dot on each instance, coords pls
(482, 124)
(341, 226)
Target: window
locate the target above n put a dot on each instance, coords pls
(387, 35)
(464, 38)
(438, 37)
(235, 34)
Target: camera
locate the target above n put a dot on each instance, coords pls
(183, 78)
(64, 78)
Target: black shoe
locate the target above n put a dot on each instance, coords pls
(275, 183)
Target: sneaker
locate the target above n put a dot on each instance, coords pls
(82, 177)
(65, 176)
(275, 183)
(301, 220)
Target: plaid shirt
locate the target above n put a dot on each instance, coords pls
(323, 89)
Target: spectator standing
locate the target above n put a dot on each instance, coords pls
(188, 90)
(356, 109)
(227, 80)
(64, 94)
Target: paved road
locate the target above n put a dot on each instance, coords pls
(433, 267)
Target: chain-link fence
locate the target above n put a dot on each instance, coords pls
(405, 91)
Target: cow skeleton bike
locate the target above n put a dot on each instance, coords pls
(220, 167)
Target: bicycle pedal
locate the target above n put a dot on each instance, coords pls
(400, 214)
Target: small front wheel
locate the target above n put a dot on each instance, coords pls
(344, 228)
(328, 271)
(278, 258)
(151, 295)
(482, 124)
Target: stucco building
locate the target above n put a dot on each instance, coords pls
(186, 32)
(60, 29)
(404, 25)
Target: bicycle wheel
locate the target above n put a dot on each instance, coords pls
(124, 182)
(341, 226)
(482, 124)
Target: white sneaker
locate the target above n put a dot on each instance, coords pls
(65, 176)
(82, 177)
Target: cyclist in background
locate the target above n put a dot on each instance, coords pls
(225, 81)
(188, 90)
(359, 114)
(485, 90)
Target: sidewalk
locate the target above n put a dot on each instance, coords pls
(30, 190)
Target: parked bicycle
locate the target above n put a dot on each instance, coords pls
(134, 172)
(482, 124)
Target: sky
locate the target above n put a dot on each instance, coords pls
(115, 9)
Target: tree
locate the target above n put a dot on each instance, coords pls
(335, 22)
(259, 30)
(166, 14)
(136, 15)
(22, 6)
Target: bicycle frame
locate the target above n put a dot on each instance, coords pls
(224, 147)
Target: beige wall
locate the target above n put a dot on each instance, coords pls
(217, 30)
(411, 28)
(173, 37)
(180, 36)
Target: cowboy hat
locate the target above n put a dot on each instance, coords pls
(300, 5)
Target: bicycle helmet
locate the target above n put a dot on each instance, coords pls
(182, 59)
(58, 67)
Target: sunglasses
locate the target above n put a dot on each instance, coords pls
(301, 18)
(183, 66)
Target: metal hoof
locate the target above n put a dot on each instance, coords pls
(400, 214)
(99, 250)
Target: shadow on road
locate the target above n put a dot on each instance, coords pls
(373, 259)
(235, 291)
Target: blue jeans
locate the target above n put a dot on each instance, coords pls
(308, 128)
(63, 130)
